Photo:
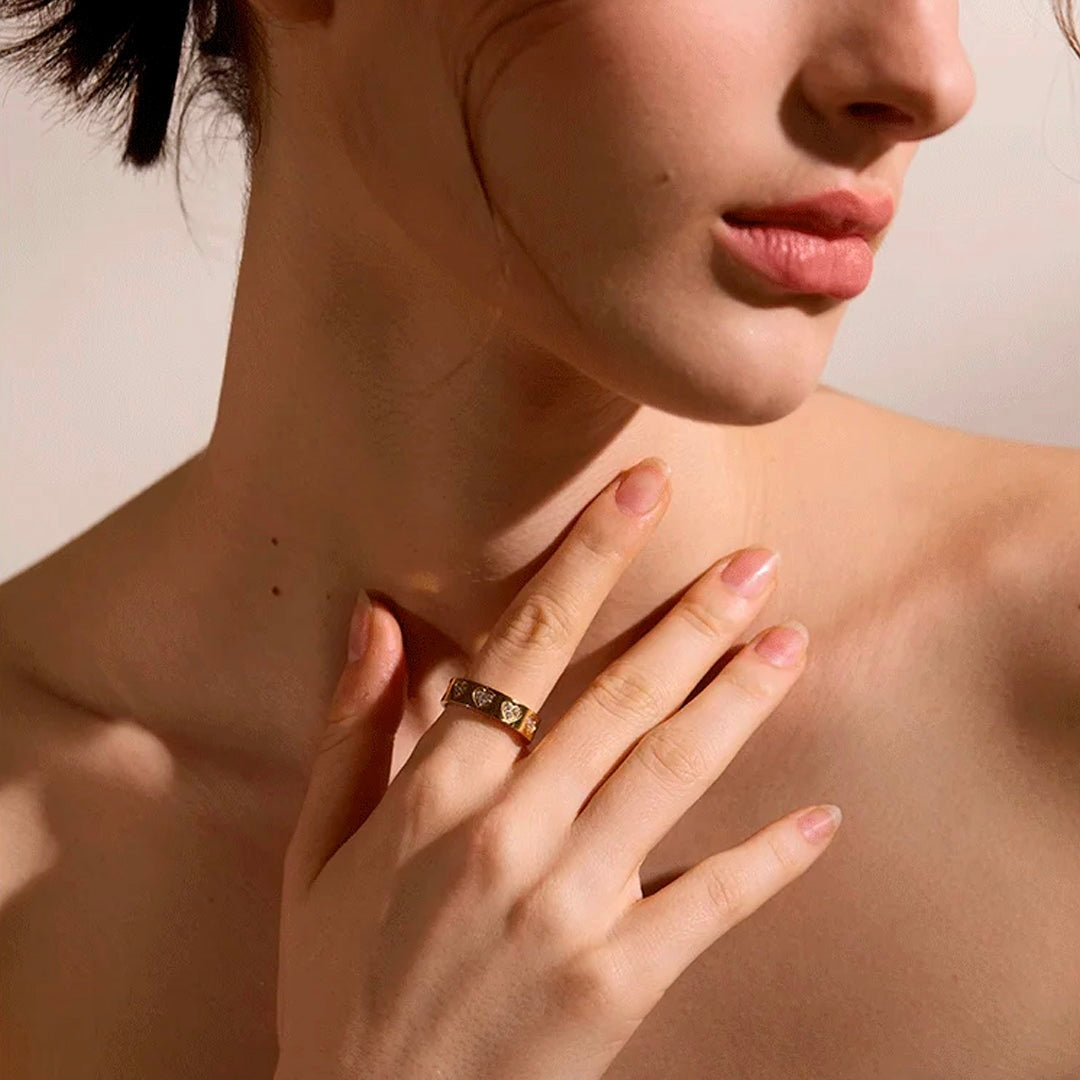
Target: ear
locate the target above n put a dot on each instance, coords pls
(294, 11)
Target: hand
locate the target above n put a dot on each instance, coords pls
(483, 919)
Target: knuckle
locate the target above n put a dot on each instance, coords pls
(705, 618)
(745, 683)
(339, 731)
(674, 761)
(540, 622)
(726, 893)
(623, 690)
(551, 915)
(785, 858)
(592, 986)
(597, 541)
(493, 846)
(429, 795)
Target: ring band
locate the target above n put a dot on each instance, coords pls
(489, 701)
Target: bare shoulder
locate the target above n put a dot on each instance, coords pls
(1038, 578)
(24, 833)
(1005, 514)
(42, 738)
(127, 887)
(53, 753)
(1016, 545)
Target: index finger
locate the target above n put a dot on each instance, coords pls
(534, 640)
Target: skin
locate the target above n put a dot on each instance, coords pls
(438, 355)
(491, 898)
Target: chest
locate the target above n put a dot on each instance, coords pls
(938, 937)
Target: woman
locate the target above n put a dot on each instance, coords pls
(494, 255)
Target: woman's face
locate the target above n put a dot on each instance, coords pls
(571, 159)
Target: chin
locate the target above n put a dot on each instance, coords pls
(755, 398)
(724, 364)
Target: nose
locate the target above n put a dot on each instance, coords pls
(895, 65)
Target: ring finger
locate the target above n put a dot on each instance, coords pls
(645, 685)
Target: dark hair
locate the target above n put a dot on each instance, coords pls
(128, 56)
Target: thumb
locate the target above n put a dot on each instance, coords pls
(352, 765)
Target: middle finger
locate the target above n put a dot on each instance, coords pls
(646, 684)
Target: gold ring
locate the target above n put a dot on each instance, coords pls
(492, 703)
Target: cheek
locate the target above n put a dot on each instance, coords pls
(609, 147)
(615, 138)
(596, 144)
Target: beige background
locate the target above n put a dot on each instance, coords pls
(114, 314)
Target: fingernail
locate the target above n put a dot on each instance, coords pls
(640, 489)
(783, 645)
(749, 572)
(358, 626)
(820, 823)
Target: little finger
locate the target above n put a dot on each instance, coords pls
(661, 935)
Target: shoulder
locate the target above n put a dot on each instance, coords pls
(29, 718)
(1031, 580)
(53, 755)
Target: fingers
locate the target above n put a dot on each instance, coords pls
(352, 764)
(534, 640)
(673, 765)
(646, 684)
(661, 935)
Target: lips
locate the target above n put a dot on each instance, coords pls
(800, 261)
(832, 214)
(817, 245)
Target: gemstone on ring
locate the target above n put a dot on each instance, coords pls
(482, 697)
(478, 696)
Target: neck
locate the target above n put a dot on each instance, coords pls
(378, 430)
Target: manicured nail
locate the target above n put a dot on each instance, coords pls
(358, 626)
(783, 645)
(819, 824)
(640, 489)
(749, 572)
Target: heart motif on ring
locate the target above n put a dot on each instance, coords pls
(511, 712)
(482, 697)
